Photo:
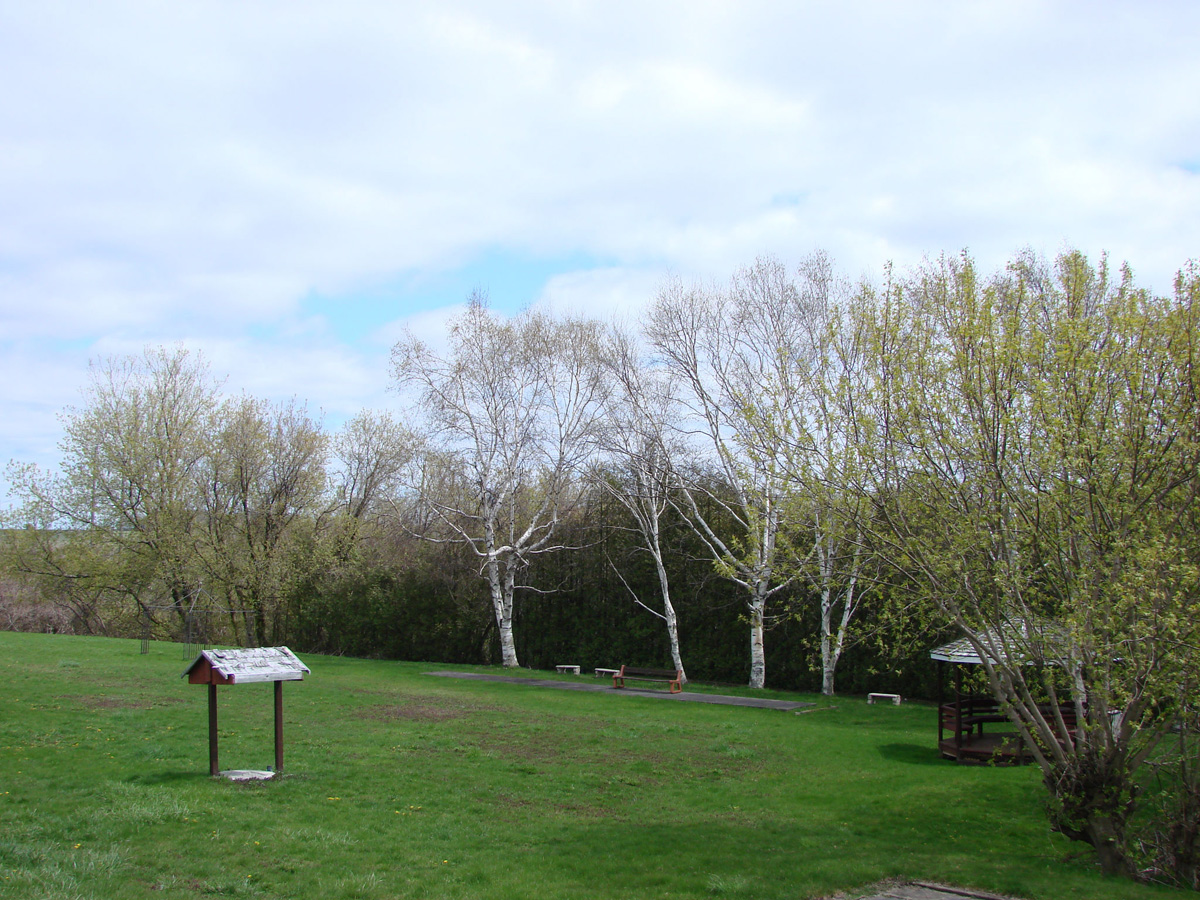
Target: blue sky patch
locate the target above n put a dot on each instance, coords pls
(511, 280)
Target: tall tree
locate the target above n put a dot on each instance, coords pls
(802, 417)
(511, 411)
(723, 347)
(125, 501)
(264, 484)
(1040, 438)
(637, 439)
(371, 453)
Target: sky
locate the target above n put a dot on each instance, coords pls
(286, 187)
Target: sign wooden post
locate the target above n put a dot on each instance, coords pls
(213, 768)
(279, 726)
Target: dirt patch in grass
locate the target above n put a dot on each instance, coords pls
(500, 798)
(529, 745)
(576, 740)
(109, 701)
(587, 811)
(423, 710)
(646, 756)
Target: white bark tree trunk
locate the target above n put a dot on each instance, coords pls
(672, 622)
(500, 580)
(502, 604)
(758, 654)
(828, 657)
(834, 641)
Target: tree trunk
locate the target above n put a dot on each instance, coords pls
(672, 622)
(508, 650)
(1105, 835)
(501, 583)
(832, 643)
(828, 657)
(758, 656)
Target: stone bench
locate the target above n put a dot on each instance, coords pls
(895, 698)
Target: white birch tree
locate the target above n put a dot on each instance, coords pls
(513, 406)
(808, 419)
(723, 347)
(637, 439)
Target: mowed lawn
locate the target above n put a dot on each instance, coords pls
(400, 784)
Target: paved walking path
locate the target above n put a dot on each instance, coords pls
(920, 890)
(606, 686)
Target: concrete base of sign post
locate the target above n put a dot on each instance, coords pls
(248, 774)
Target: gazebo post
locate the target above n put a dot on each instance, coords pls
(941, 701)
(213, 768)
(278, 727)
(958, 705)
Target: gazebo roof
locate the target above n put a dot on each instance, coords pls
(247, 665)
(1021, 642)
(960, 651)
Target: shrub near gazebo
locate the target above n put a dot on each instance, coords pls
(258, 664)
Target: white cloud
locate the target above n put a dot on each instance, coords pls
(601, 293)
(196, 172)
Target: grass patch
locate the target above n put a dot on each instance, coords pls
(401, 785)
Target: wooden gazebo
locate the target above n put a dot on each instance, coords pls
(258, 664)
(962, 735)
(973, 727)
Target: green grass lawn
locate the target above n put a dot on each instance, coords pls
(399, 784)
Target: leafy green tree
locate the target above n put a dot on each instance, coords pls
(120, 517)
(169, 500)
(1038, 438)
(264, 480)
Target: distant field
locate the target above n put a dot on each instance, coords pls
(401, 785)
